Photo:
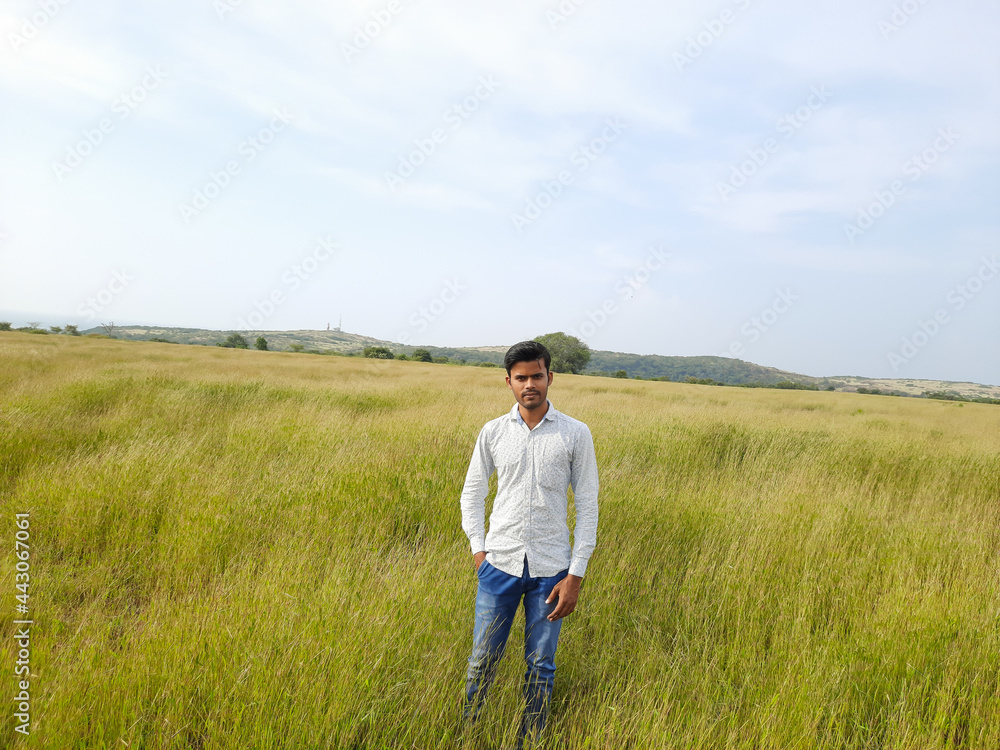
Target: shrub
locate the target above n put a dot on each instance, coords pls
(234, 341)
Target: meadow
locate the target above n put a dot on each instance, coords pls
(243, 549)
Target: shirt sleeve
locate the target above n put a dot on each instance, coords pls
(477, 487)
(583, 477)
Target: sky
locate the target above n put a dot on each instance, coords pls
(809, 186)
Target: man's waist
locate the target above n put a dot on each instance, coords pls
(518, 533)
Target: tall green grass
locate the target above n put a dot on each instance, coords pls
(240, 549)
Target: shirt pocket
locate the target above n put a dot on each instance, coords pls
(553, 468)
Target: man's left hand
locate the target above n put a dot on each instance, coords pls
(567, 591)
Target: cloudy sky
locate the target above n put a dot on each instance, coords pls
(811, 186)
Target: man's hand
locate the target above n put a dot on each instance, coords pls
(567, 591)
(478, 559)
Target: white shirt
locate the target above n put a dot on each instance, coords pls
(534, 469)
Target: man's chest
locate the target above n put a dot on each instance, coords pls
(540, 457)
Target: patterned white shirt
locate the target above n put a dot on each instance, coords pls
(534, 469)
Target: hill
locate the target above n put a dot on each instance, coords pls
(602, 363)
(320, 341)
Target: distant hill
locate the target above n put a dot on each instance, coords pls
(721, 369)
(318, 341)
(604, 363)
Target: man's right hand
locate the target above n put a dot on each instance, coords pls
(478, 559)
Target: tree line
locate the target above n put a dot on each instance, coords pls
(36, 327)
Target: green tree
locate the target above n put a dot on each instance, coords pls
(377, 352)
(72, 330)
(569, 354)
(55, 329)
(235, 341)
(401, 356)
(261, 343)
(295, 348)
(421, 355)
(4, 325)
(621, 374)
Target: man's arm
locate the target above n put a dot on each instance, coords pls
(473, 502)
(583, 477)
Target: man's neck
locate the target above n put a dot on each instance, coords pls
(536, 414)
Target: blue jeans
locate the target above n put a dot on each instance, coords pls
(497, 598)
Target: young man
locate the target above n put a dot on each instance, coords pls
(538, 453)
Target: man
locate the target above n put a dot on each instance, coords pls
(538, 453)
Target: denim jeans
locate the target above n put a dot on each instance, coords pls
(497, 598)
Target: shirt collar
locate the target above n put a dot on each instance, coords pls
(515, 413)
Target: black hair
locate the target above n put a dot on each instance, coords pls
(526, 351)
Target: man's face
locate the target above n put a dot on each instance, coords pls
(530, 383)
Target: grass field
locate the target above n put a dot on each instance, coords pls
(241, 549)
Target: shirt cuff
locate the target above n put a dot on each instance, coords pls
(578, 567)
(478, 545)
